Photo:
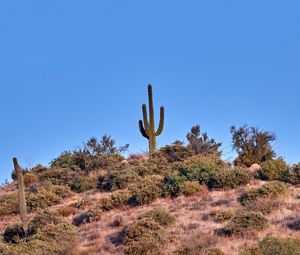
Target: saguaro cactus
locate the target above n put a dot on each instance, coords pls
(21, 192)
(147, 128)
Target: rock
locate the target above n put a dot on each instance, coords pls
(255, 167)
(124, 162)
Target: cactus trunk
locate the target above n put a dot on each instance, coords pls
(152, 145)
(21, 192)
(147, 126)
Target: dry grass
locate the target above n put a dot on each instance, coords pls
(193, 215)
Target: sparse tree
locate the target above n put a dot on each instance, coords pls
(201, 143)
(252, 145)
(105, 147)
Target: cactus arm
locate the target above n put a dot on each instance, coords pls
(161, 121)
(21, 191)
(142, 130)
(145, 119)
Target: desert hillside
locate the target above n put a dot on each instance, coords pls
(183, 199)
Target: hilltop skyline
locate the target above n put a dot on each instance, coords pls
(71, 71)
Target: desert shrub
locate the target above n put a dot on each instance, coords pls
(66, 211)
(146, 191)
(89, 216)
(252, 251)
(192, 173)
(223, 216)
(210, 162)
(274, 169)
(47, 235)
(59, 176)
(9, 204)
(229, 178)
(213, 251)
(252, 145)
(265, 205)
(80, 184)
(188, 188)
(172, 185)
(13, 233)
(201, 144)
(245, 221)
(145, 236)
(295, 224)
(199, 244)
(116, 201)
(144, 169)
(94, 154)
(159, 215)
(41, 199)
(60, 190)
(271, 190)
(41, 220)
(175, 152)
(115, 180)
(37, 169)
(55, 235)
(293, 176)
(279, 246)
(201, 168)
(30, 179)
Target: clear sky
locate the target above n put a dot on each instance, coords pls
(72, 69)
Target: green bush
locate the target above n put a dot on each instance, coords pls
(159, 215)
(41, 199)
(274, 169)
(115, 180)
(41, 220)
(193, 173)
(80, 184)
(145, 237)
(146, 190)
(279, 246)
(36, 197)
(48, 235)
(172, 185)
(188, 188)
(293, 176)
(275, 246)
(175, 152)
(9, 204)
(245, 221)
(140, 233)
(223, 216)
(59, 176)
(271, 190)
(229, 178)
(211, 162)
(116, 201)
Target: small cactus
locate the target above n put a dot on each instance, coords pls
(147, 128)
(21, 191)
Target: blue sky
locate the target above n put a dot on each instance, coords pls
(70, 70)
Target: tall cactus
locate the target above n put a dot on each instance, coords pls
(21, 192)
(147, 128)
